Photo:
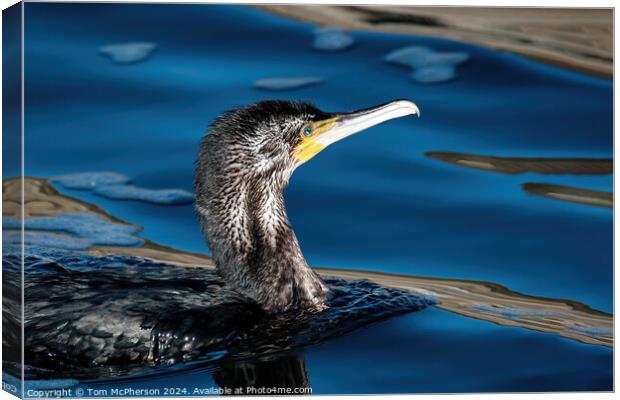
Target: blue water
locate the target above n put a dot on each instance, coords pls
(371, 202)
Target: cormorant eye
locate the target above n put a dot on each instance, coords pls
(307, 131)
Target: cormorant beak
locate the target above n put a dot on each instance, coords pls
(317, 135)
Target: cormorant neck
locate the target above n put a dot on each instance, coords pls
(257, 251)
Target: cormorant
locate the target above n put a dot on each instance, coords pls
(244, 163)
(135, 312)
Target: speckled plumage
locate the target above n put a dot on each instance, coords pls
(90, 316)
(244, 163)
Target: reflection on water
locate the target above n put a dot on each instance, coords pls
(331, 39)
(495, 303)
(428, 66)
(541, 165)
(128, 53)
(520, 165)
(279, 372)
(571, 194)
(89, 180)
(116, 186)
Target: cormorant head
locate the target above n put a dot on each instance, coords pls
(272, 138)
(243, 165)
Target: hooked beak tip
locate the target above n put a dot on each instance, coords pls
(408, 104)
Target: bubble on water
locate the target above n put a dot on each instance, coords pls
(158, 196)
(89, 180)
(428, 66)
(287, 83)
(332, 39)
(128, 53)
(90, 230)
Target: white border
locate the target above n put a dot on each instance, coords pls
(486, 3)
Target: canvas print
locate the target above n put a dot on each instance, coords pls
(206, 199)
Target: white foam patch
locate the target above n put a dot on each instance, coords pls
(287, 83)
(128, 53)
(158, 196)
(428, 66)
(332, 39)
(89, 180)
(75, 231)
